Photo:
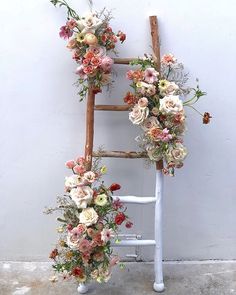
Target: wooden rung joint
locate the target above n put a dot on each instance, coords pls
(118, 108)
(124, 61)
(120, 154)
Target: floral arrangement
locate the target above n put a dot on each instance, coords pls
(158, 100)
(90, 39)
(90, 220)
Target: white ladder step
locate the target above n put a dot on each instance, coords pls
(135, 200)
(125, 243)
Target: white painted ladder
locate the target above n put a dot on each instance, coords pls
(89, 153)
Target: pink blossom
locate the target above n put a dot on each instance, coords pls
(65, 32)
(79, 169)
(114, 260)
(85, 246)
(165, 136)
(129, 75)
(80, 160)
(70, 164)
(106, 64)
(168, 59)
(80, 71)
(98, 50)
(71, 24)
(150, 75)
(106, 234)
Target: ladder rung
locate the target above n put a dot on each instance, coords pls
(103, 107)
(135, 200)
(125, 243)
(120, 154)
(124, 61)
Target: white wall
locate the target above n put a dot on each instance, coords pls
(42, 125)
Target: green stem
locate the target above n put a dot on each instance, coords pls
(190, 106)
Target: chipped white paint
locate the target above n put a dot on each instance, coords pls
(21, 290)
(6, 266)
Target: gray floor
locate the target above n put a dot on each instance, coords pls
(180, 279)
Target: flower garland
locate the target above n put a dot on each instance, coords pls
(158, 101)
(90, 220)
(90, 216)
(90, 39)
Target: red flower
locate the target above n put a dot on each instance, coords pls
(53, 254)
(121, 36)
(130, 98)
(120, 217)
(114, 187)
(128, 224)
(77, 272)
(96, 90)
(69, 227)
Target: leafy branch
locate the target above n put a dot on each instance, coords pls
(70, 12)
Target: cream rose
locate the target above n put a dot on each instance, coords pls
(150, 123)
(82, 196)
(143, 102)
(171, 88)
(138, 115)
(72, 181)
(177, 154)
(88, 216)
(89, 24)
(171, 104)
(154, 154)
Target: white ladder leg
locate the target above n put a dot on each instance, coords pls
(82, 288)
(158, 285)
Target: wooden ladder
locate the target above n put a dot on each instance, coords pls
(89, 154)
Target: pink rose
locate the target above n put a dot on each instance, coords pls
(85, 246)
(106, 64)
(150, 75)
(79, 169)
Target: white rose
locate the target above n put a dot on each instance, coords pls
(88, 216)
(143, 102)
(89, 24)
(89, 176)
(177, 154)
(154, 154)
(72, 181)
(171, 88)
(150, 123)
(138, 115)
(82, 196)
(171, 104)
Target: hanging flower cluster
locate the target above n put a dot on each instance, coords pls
(158, 101)
(90, 39)
(90, 220)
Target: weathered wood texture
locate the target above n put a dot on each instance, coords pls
(120, 154)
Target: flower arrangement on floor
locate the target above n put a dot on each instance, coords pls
(90, 220)
(90, 39)
(158, 101)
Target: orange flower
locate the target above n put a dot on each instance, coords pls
(138, 76)
(154, 133)
(89, 55)
(206, 118)
(53, 254)
(130, 98)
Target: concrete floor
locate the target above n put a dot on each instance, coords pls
(206, 278)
